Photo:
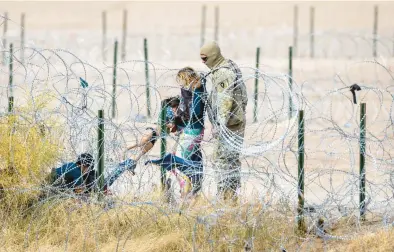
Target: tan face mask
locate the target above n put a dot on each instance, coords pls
(212, 53)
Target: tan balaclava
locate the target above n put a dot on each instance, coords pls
(212, 51)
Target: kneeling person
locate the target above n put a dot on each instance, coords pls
(78, 176)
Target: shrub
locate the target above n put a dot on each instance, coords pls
(27, 152)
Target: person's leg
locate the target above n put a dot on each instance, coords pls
(193, 184)
(144, 149)
(133, 146)
(186, 185)
(228, 164)
(225, 175)
(196, 180)
(127, 165)
(235, 162)
(146, 143)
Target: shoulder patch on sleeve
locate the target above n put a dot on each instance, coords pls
(224, 74)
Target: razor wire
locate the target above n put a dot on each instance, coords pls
(269, 152)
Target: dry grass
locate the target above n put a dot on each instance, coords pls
(381, 241)
(76, 225)
(27, 151)
(26, 147)
(87, 227)
(57, 224)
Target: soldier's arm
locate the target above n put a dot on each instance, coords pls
(224, 83)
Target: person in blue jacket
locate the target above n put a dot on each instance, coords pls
(78, 176)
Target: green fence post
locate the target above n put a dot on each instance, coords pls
(10, 104)
(362, 159)
(300, 187)
(10, 82)
(290, 81)
(256, 85)
(100, 146)
(163, 144)
(147, 75)
(114, 80)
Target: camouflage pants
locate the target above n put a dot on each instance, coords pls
(227, 159)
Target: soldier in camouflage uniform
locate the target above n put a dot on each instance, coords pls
(226, 109)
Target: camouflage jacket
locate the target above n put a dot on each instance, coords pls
(228, 97)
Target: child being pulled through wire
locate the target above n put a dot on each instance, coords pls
(185, 118)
